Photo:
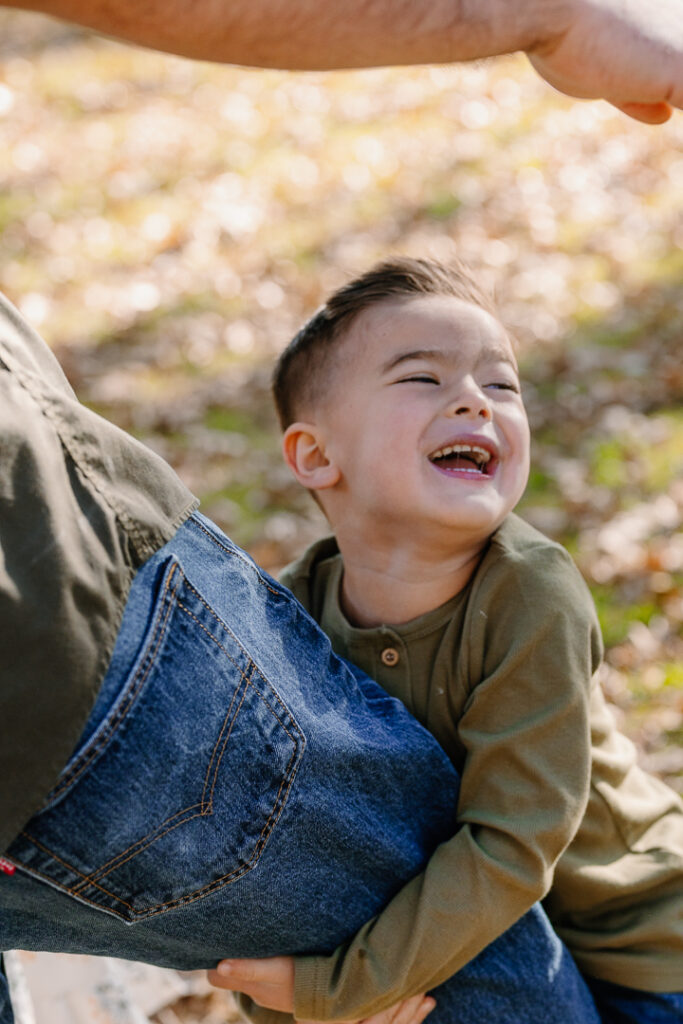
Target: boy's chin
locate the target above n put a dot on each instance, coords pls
(479, 520)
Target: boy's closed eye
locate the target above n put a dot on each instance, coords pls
(420, 378)
(501, 385)
(425, 378)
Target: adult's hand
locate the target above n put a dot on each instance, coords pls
(626, 51)
(629, 52)
(270, 983)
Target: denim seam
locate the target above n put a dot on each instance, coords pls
(136, 685)
(267, 828)
(236, 554)
(230, 658)
(237, 643)
(250, 682)
(229, 717)
(208, 805)
(73, 891)
(138, 848)
(160, 908)
(52, 881)
(249, 679)
(286, 782)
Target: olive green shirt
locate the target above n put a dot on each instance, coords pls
(82, 506)
(551, 803)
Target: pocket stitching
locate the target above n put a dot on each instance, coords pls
(204, 808)
(166, 606)
(237, 643)
(53, 882)
(209, 805)
(140, 845)
(138, 848)
(248, 679)
(222, 742)
(89, 880)
(296, 736)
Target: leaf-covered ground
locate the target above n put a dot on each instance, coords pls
(168, 224)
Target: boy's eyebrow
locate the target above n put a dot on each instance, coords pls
(494, 353)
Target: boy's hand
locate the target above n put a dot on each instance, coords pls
(270, 983)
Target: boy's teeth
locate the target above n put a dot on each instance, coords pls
(471, 449)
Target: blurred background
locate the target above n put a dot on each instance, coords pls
(167, 225)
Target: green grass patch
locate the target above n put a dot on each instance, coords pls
(632, 462)
(443, 206)
(616, 616)
(656, 680)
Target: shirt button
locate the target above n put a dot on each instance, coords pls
(390, 657)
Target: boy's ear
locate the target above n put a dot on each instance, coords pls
(304, 453)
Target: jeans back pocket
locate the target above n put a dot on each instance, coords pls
(177, 792)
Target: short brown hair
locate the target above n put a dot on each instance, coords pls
(302, 369)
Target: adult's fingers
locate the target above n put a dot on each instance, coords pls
(623, 51)
(648, 113)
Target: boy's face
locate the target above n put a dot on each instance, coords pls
(424, 421)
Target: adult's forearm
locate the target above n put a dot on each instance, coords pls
(625, 51)
(310, 34)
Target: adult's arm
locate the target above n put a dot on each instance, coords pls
(626, 51)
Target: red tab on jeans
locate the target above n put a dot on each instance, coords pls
(6, 867)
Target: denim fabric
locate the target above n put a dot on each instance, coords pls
(620, 1005)
(239, 791)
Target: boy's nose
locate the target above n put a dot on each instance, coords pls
(473, 410)
(470, 403)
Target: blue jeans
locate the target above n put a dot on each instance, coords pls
(620, 1005)
(239, 791)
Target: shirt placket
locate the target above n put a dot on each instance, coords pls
(393, 665)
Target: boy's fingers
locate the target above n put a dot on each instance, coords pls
(425, 1007)
(217, 980)
(269, 982)
(410, 1011)
(274, 970)
(272, 997)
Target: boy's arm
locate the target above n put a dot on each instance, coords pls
(625, 51)
(535, 646)
(524, 788)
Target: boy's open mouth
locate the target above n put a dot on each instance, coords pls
(463, 458)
